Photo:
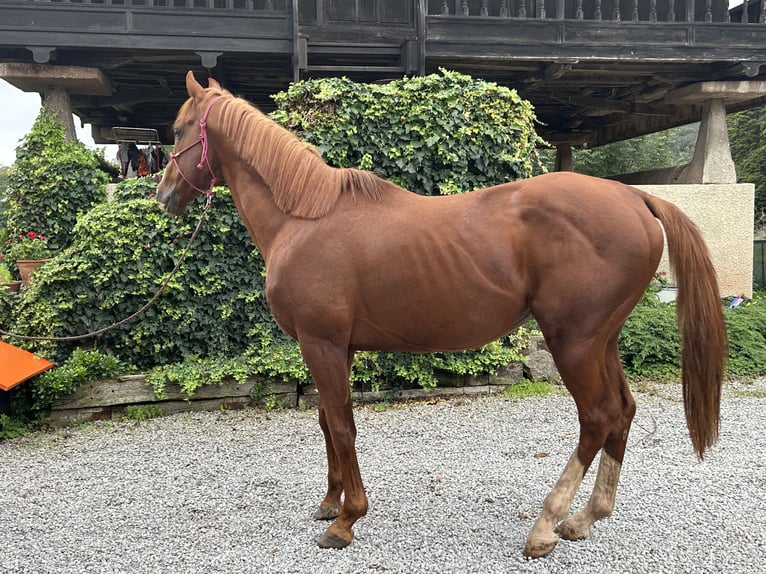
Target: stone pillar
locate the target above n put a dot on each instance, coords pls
(55, 100)
(712, 162)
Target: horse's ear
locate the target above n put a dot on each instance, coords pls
(212, 83)
(192, 86)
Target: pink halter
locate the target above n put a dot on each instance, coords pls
(203, 160)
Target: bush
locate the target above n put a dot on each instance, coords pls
(746, 326)
(650, 344)
(51, 183)
(81, 367)
(439, 134)
(121, 253)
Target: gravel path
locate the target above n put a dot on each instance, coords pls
(454, 487)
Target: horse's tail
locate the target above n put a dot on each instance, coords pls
(700, 320)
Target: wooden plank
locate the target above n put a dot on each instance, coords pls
(94, 394)
(62, 418)
(134, 390)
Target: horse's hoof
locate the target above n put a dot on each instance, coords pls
(539, 548)
(327, 513)
(572, 529)
(331, 540)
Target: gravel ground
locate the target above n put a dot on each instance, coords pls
(453, 485)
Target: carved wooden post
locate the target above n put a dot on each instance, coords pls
(616, 12)
(597, 11)
(652, 10)
(484, 11)
(560, 9)
(690, 10)
(445, 8)
(541, 8)
(671, 11)
(745, 8)
(466, 10)
(634, 14)
(504, 9)
(522, 8)
(708, 10)
(579, 12)
(762, 17)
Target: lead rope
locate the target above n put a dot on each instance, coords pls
(142, 309)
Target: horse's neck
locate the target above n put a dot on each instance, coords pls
(255, 204)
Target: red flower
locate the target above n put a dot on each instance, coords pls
(31, 234)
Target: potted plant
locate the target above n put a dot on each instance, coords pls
(29, 251)
(6, 278)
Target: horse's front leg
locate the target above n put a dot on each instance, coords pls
(330, 506)
(330, 367)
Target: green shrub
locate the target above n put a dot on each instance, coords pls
(121, 253)
(650, 345)
(746, 326)
(142, 412)
(439, 134)
(12, 427)
(51, 183)
(81, 367)
(649, 342)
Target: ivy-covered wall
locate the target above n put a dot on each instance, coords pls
(438, 134)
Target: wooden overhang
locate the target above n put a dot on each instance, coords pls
(596, 70)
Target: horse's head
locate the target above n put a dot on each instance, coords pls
(193, 168)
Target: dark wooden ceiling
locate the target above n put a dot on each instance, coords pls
(591, 81)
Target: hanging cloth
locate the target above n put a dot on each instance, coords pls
(143, 166)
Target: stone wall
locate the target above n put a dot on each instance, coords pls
(724, 214)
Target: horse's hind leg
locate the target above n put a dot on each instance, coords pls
(584, 372)
(601, 501)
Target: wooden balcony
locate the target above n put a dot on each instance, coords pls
(596, 70)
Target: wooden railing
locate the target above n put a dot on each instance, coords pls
(271, 5)
(751, 11)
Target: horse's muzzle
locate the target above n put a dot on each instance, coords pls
(167, 201)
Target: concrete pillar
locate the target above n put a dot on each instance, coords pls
(55, 84)
(56, 100)
(712, 162)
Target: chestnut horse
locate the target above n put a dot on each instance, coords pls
(357, 263)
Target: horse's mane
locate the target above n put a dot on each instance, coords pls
(302, 184)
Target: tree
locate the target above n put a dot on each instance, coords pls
(653, 151)
(747, 138)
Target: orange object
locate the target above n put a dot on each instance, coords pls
(18, 365)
